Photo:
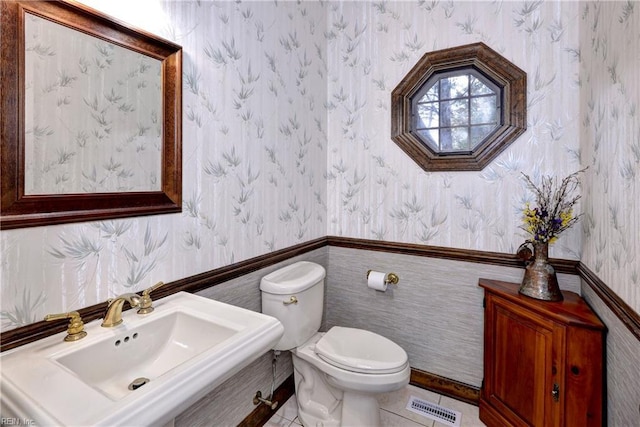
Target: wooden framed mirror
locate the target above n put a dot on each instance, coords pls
(91, 117)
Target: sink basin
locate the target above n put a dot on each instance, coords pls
(143, 372)
(151, 351)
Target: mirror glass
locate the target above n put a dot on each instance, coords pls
(91, 123)
(93, 114)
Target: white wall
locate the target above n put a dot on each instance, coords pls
(307, 151)
(610, 140)
(254, 149)
(376, 191)
(581, 59)
(312, 154)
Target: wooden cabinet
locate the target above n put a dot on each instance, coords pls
(543, 361)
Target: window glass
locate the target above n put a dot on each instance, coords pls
(478, 134)
(458, 108)
(431, 95)
(455, 112)
(454, 87)
(484, 110)
(428, 115)
(479, 88)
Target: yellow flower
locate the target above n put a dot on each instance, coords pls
(566, 216)
(554, 211)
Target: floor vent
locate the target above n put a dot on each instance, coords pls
(435, 412)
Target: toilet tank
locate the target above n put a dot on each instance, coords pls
(302, 282)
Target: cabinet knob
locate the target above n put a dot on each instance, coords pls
(555, 393)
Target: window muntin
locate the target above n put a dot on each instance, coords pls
(487, 138)
(454, 112)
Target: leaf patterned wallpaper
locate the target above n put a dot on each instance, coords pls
(254, 150)
(286, 138)
(610, 135)
(375, 191)
(581, 60)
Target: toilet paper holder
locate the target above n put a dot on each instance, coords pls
(391, 279)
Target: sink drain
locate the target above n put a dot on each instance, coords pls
(138, 382)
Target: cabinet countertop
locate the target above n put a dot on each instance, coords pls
(573, 310)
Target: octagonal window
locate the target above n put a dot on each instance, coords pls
(454, 112)
(458, 108)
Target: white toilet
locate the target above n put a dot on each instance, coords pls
(338, 373)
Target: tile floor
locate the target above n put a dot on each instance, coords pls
(393, 412)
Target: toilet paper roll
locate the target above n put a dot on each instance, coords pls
(377, 280)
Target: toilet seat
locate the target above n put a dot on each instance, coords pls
(362, 351)
(346, 379)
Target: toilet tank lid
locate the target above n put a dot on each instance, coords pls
(293, 278)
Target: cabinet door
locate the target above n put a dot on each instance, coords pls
(521, 364)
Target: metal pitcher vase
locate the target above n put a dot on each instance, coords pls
(540, 281)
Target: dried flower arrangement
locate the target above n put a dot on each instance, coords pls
(554, 211)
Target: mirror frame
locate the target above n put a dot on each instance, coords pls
(20, 210)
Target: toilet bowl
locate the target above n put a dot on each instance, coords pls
(337, 374)
(352, 387)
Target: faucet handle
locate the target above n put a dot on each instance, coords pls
(145, 305)
(75, 330)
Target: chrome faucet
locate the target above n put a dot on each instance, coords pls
(113, 316)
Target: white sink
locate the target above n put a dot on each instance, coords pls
(171, 358)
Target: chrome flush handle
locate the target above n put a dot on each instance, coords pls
(292, 300)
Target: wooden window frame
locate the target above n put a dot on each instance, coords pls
(510, 79)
